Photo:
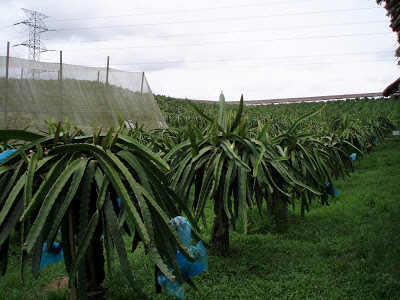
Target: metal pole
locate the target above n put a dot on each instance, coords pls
(141, 89)
(106, 100)
(6, 102)
(60, 87)
(98, 76)
(22, 77)
(108, 69)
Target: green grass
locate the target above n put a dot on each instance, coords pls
(349, 250)
(11, 288)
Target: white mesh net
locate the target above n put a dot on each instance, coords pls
(38, 92)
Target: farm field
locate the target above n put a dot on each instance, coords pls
(108, 191)
(361, 111)
(255, 182)
(347, 250)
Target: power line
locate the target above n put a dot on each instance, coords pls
(179, 11)
(1, 28)
(26, 29)
(222, 32)
(55, 33)
(7, 40)
(256, 66)
(230, 42)
(18, 55)
(250, 59)
(19, 37)
(218, 19)
(267, 65)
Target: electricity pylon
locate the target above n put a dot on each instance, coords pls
(36, 27)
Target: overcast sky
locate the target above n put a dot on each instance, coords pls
(194, 49)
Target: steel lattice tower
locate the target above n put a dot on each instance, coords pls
(36, 27)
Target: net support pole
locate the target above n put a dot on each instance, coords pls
(6, 95)
(108, 70)
(141, 89)
(22, 77)
(60, 88)
(106, 98)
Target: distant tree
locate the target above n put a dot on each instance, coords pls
(393, 9)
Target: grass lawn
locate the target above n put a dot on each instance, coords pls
(349, 250)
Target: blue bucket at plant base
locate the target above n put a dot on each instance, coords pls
(187, 268)
(353, 156)
(329, 190)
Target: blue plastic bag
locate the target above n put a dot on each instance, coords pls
(5, 154)
(118, 202)
(171, 288)
(183, 229)
(353, 156)
(53, 256)
(199, 253)
(187, 268)
(331, 191)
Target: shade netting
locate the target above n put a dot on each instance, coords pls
(87, 97)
